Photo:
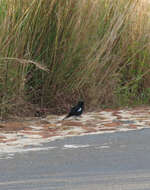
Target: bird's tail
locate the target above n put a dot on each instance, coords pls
(65, 117)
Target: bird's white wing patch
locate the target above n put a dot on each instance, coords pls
(79, 109)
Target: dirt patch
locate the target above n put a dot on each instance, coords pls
(13, 126)
(35, 131)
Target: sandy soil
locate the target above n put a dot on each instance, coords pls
(22, 133)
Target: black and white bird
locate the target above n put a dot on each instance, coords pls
(76, 110)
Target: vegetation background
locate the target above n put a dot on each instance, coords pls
(53, 53)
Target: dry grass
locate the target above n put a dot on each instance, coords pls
(97, 50)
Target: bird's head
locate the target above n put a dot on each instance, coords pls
(80, 103)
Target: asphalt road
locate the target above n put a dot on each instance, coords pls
(112, 161)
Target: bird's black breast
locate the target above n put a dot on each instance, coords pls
(76, 111)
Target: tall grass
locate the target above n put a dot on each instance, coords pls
(54, 52)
